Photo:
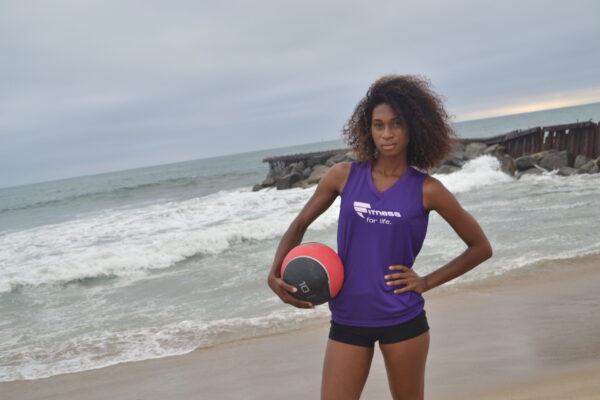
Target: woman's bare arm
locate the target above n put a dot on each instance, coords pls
(328, 189)
(436, 197)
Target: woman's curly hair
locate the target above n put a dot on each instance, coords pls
(412, 99)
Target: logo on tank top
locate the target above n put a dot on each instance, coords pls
(365, 208)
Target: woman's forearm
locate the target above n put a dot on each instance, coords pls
(291, 238)
(469, 259)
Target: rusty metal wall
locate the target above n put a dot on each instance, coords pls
(577, 138)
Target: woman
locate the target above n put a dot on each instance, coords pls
(400, 124)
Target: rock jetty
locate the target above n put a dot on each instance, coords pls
(307, 169)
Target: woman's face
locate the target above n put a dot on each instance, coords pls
(389, 132)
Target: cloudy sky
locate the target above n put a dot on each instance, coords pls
(95, 86)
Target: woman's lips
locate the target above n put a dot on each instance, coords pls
(387, 146)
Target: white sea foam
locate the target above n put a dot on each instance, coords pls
(100, 349)
(127, 243)
(482, 171)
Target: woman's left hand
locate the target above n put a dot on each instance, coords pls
(407, 277)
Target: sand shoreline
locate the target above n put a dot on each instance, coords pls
(514, 335)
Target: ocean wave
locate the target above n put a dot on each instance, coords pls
(101, 349)
(476, 173)
(530, 260)
(130, 243)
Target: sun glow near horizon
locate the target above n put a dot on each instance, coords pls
(557, 100)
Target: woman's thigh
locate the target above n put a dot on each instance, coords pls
(405, 365)
(345, 370)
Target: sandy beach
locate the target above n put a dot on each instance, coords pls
(527, 334)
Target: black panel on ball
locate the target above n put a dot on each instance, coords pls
(310, 278)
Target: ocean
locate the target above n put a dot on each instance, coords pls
(158, 261)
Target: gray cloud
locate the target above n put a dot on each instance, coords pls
(94, 86)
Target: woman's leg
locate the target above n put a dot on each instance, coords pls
(405, 365)
(345, 370)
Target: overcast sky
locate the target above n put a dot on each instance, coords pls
(95, 86)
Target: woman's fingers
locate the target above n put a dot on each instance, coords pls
(291, 300)
(288, 287)
(403, 268)
(285, 290)
(282, 287)
(407, 277)
(399, 275)
(398, 282)
(404, 289)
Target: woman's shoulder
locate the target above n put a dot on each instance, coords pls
(341, 170)
(339, 174)
(434, 192)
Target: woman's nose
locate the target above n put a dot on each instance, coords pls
(387, 132)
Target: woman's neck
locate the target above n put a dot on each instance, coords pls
(390, 166)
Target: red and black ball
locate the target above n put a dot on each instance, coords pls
(315, 270)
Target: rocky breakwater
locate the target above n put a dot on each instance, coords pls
(301, 170)
(564, 162)
(305, 170)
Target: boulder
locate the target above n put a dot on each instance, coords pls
(557, 159)
(269, 181)
(567, 171)
(297, 167)
(337, 158)
(330, 162)
(530, 171)
(495, 150)
(595, 170)
(456, 159)
(286, 181)
(474, 150)
(507, 164)
(301, 184)
(306, 172)
(257, 187)
(580, 160)
(317, 173)
(317, 159)
(524, 163)
(587, 167)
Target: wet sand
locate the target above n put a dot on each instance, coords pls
(528, 334)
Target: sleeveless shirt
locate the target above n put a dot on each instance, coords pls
(375, 230)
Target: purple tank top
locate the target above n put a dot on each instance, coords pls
(376, 230)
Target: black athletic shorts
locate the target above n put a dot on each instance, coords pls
(367, 336)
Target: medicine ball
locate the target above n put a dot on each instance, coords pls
(315, 270)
